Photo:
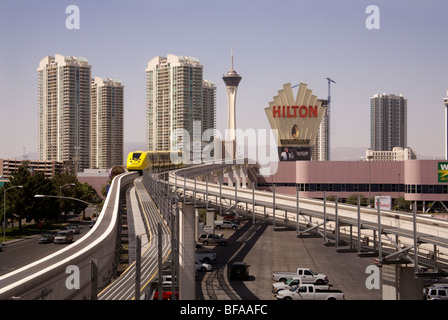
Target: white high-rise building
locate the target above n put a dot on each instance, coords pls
(106, 123)
(178, 102)
(320, 149)
(388, 122)
(64, 110)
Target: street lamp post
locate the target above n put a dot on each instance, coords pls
(370, 159)
(4, 212)
(60, 195)
(69, 198)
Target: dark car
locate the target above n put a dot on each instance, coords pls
(239, 271)
(46, 238)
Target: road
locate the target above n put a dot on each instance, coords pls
(266, 250)
(18, 253)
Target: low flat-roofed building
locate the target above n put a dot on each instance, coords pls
(49, 168)
(97, 178)
(415, 180)
(397, 154)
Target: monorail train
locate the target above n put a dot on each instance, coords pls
(141, 160)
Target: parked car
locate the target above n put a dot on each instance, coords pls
(207, 239)
(294, 282)
(225, 224)
(200, 266)
(64, 236)
(74, 227)
(437, 292)
(307, 276)
(166, 295)
(310, 292)
(46, 238)
(1, 247)
(204, 254)
(233, 218)
(239, 271)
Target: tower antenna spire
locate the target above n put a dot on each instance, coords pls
(231, 79)
(231, 55)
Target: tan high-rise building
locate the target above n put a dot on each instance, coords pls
(106, 133)
(208, 105)
(388, 122)
(64, 110)
(175, 101)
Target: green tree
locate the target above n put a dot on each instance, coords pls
(65, 184)
(87, 193)
(400, 204)
(21, 203)
(353, 199)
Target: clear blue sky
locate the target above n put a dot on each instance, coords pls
(274, 42)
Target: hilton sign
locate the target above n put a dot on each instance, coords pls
(296, 120)
(294, 111)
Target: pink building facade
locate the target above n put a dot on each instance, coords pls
(415, 180)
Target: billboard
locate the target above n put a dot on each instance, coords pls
(385, 202)
(294, 153)
(442, 169)
(296, 120)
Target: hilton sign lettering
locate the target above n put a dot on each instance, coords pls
(297, 120)
(294, 111)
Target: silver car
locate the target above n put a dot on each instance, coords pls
(64, 236)
(74, 227)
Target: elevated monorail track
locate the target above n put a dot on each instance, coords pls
(123, 288)
(47, 277)
(360, 227)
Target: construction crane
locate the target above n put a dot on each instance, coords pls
(329, 84)
(327, 127)
(328, 117)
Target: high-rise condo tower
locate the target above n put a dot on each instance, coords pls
(64, 110)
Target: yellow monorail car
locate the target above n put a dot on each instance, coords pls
(141, 160)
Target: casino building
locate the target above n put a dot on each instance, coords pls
(297, 121)
(415, 180)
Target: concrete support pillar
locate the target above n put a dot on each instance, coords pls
(230, 178)
(210, 218)
(237, 178)
(187, 252)
(399, 283)
(243, 174)
(220, 177)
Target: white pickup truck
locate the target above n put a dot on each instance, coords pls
(310, 292)
(307, 276)
(205, 255)
(293, 282)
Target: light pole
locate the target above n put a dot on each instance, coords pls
(4, 212)
(370, 159)
(60, 195)
(69, 198)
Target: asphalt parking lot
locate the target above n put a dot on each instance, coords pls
(267, 250)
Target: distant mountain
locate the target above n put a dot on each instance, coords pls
(128, 147)
(348, 153)
(337, 154)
